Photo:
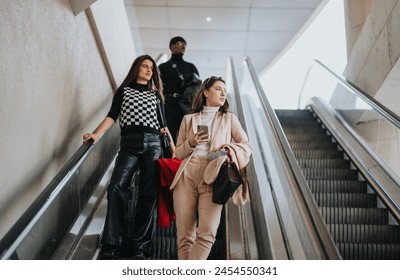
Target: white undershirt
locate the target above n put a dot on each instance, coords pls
(207, 117)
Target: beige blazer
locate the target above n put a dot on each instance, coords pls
(226, 130)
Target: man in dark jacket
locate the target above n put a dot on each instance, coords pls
(172, 74)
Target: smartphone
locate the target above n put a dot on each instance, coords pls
(204, 128)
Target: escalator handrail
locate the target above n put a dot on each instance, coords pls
(37, 205)
(322, 235)
(23, 222)
(242, 118)
(379, 107)
(387, 188)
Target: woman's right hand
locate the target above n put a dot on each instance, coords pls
(88, 136)
(198, 138)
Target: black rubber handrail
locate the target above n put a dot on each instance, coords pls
(35, 207)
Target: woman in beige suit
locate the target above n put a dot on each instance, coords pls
(190, 193)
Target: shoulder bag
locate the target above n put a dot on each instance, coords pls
(227, 181)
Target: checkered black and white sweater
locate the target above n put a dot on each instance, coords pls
(136, 109)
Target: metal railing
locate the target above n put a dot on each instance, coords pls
(315, 238)
(44, 224)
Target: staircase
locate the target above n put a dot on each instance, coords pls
(359, 228)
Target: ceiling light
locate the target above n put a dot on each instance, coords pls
(208, 19)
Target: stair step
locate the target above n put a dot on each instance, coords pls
(324, 173)
(326, 154)
(363, 200)
(284, 113)
(307, 137)
(164, 248)
(350, 215)
(346, 233)
(332, 186)
(351, 251)
(312, 145)
(323, 163)
(299, 122)
(303, 130)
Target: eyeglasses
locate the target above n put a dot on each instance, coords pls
(181, 43)
(214, 78)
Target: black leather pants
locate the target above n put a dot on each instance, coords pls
(137, 151)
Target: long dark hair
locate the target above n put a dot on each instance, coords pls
(199, 100)
(155, 82)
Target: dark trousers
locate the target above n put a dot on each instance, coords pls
(173, 115)
(138, 151)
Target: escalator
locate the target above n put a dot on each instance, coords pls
(313, 195)
(357, 222)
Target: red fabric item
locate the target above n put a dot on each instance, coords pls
(165, 207)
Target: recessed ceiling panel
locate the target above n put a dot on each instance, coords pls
(212, 40)
(152, 17)
(209, 3)
(154, 38)
(260, 29)
(219, 18)
(278, 19)
(146, 2)
(286, 3)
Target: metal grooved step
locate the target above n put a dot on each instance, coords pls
(359, 228)
(165, 247)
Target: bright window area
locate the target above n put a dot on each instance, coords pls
(324, 40)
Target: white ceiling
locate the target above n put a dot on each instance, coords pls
(259, 29)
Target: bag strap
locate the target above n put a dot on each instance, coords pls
(174, 66)
(161, 112)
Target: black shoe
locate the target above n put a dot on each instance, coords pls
(109, 252)
(140, 255)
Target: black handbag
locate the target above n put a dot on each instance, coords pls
(191, 83)
(226, 183)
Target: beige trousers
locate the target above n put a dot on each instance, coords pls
(192, 195)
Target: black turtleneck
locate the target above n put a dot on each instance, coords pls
(171, 81)
(177, 57)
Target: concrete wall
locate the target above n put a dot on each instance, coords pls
(54, 87)
(356, 12)
(374, 66)
(377, 47)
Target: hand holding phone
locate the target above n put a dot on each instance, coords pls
(204, 129)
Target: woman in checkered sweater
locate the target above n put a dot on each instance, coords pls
(135, 107)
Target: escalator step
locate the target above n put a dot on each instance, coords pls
(303, 130)
(363, 200)
(363, 251)
(164, 248)
(324, 173)
(308, 137)
(348, 215)
(308, 145)
(346, 233)
(326, 154)
(323, 163)
(288, 113)
(332, 186)
(300, 122)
